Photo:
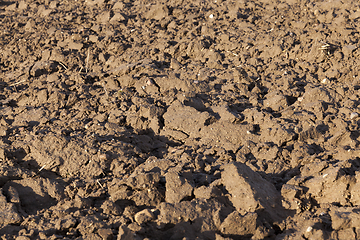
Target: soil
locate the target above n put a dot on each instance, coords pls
(143, 119)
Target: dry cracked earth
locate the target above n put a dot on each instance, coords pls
(144, 119)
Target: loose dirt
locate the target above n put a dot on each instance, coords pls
(143, 119)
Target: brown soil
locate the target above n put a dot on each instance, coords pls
(144, 119)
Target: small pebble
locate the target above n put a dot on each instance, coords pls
(354, 115)
(143, 216)
(103, 157)
(325, 80)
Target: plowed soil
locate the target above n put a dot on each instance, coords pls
(144, 119)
